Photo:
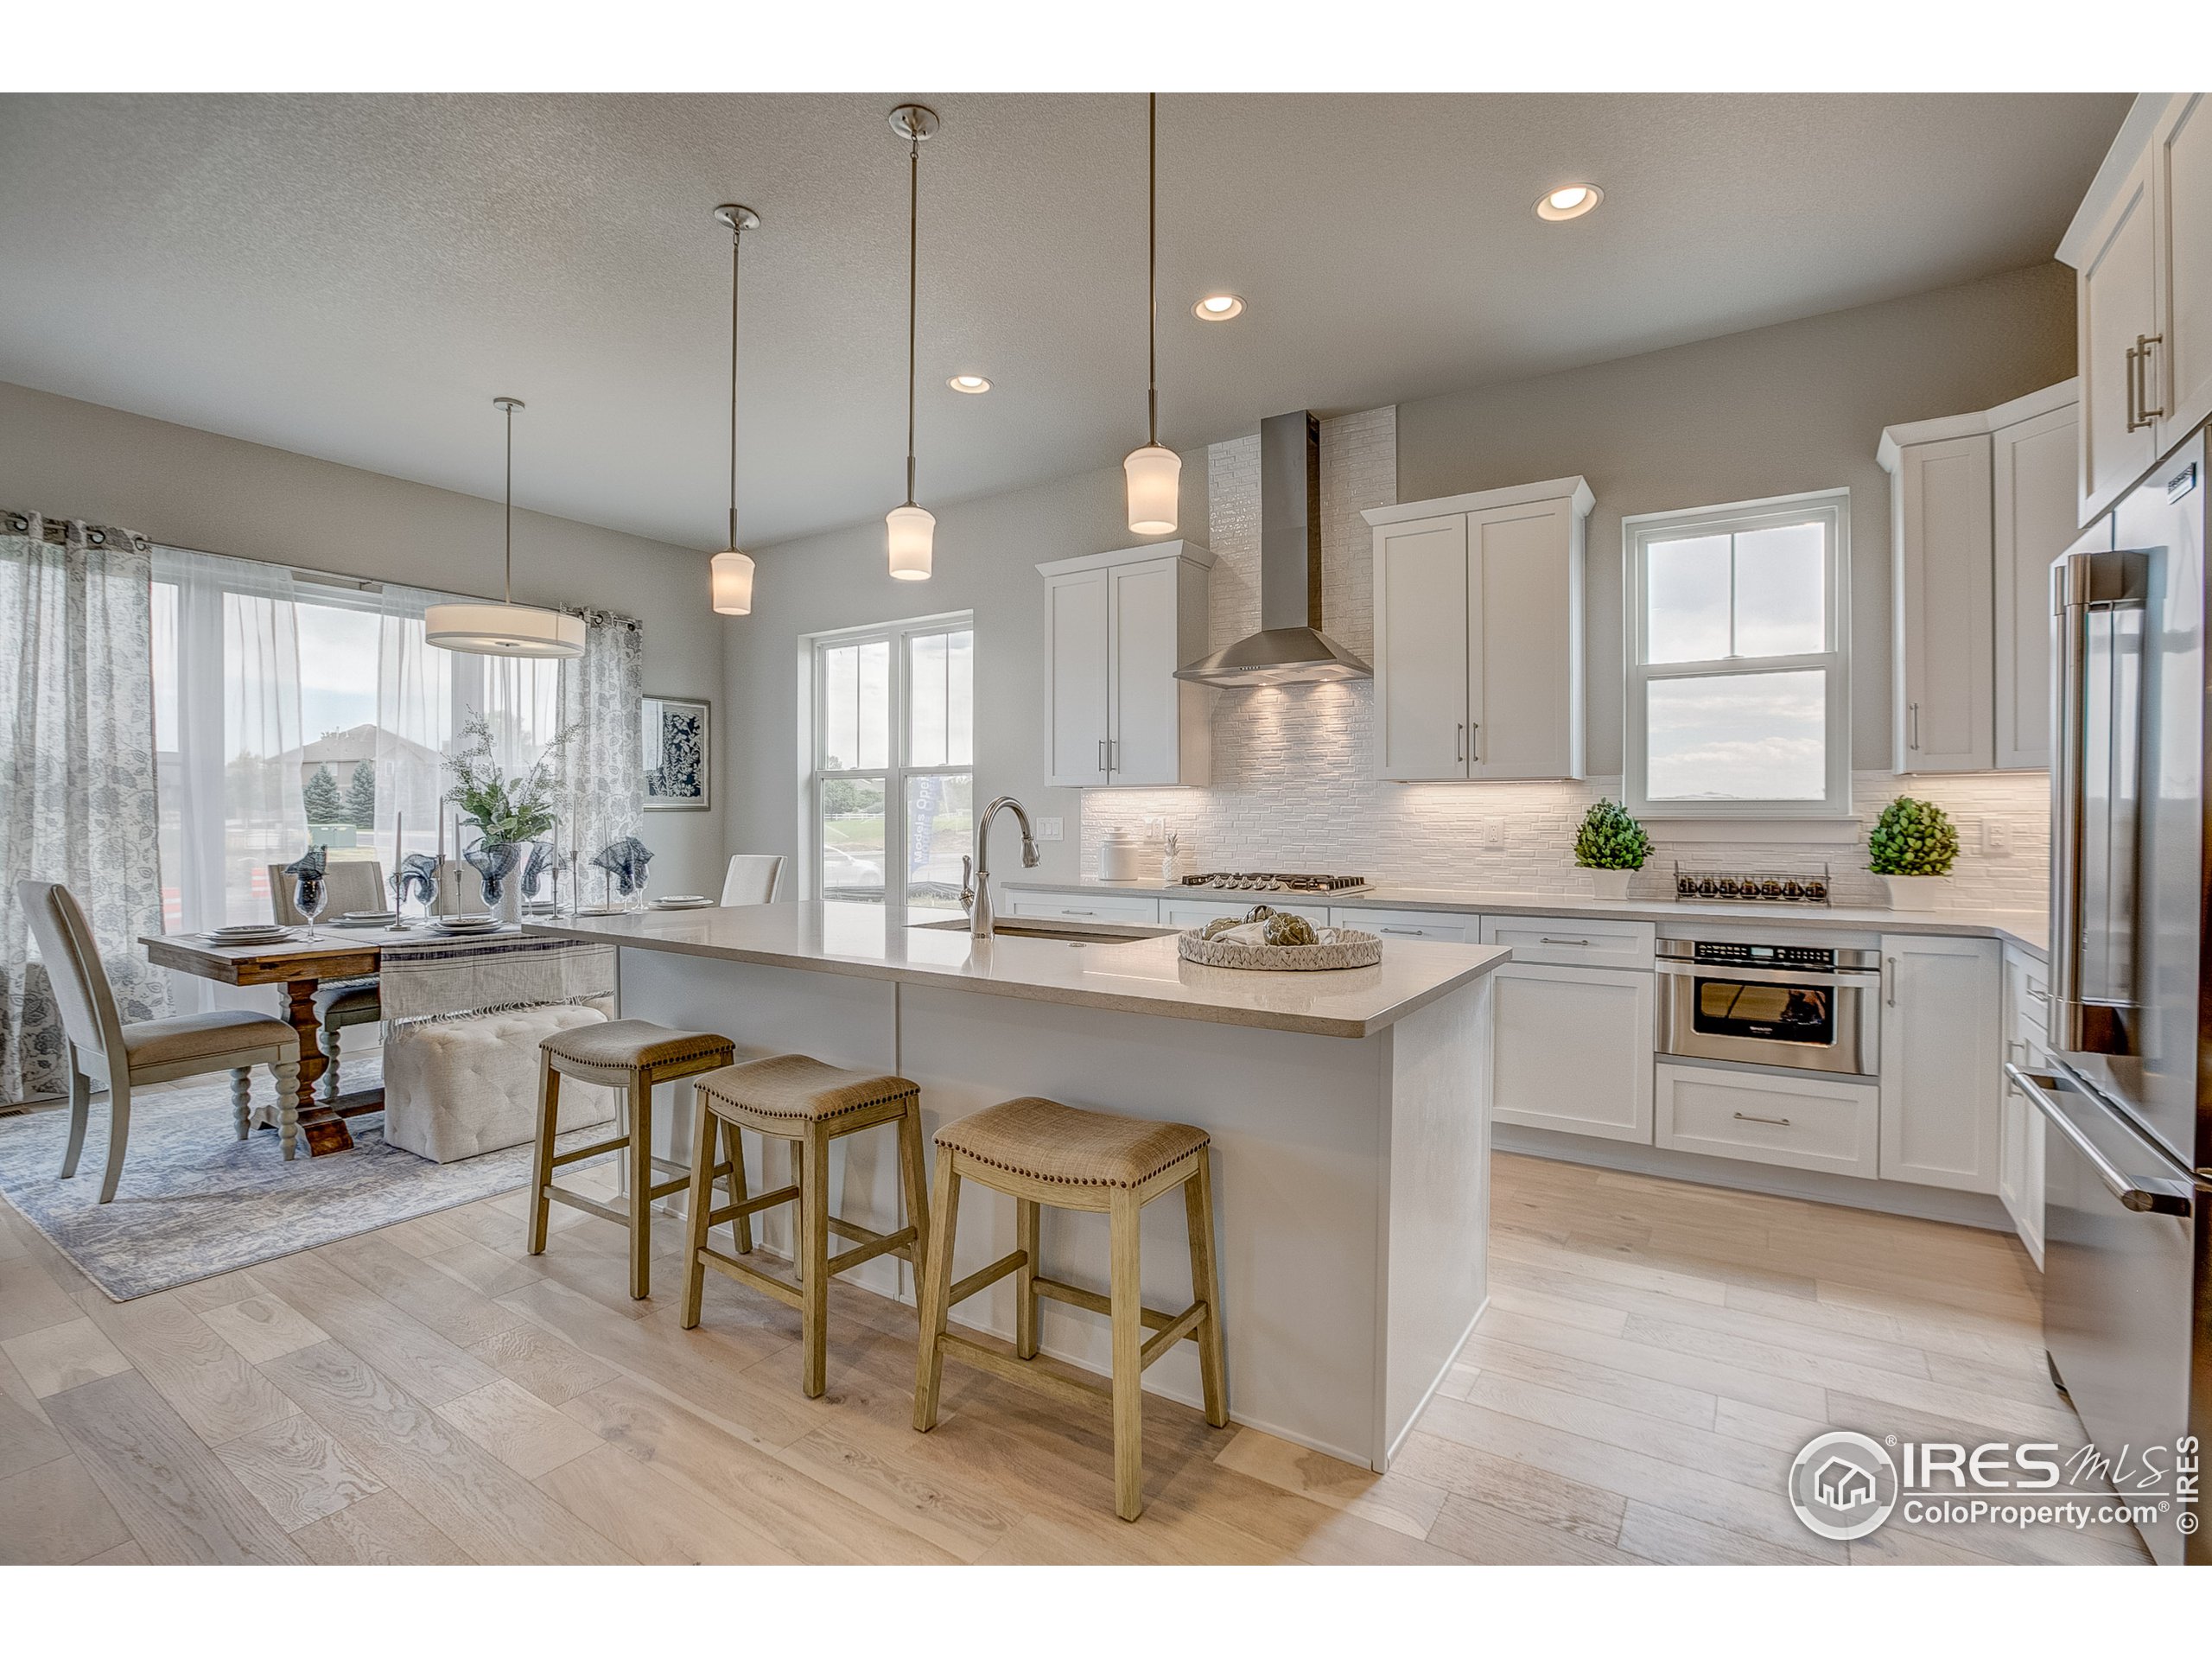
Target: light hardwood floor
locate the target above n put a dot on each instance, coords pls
(1654, 1355)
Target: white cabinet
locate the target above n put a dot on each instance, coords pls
(1940, 1001)
(1478, 634)
(1802, 1121)
(1083, 907)
(1197, 912)
(1435, 926)
(1121, 625)
(1574, 941)
(2020, 1131)
(1571, 1049)
(1980, 505)
(2141, 249)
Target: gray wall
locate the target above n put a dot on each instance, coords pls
(1799, 406)
(987, 552)
(195, 489)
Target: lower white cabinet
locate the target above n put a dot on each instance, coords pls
(2019, 1125)
(1571, 1049)
(1197, 912)
(1574, 941)
(1940, 1000)
(1800, 1119)
(1436, 926)
(1068, 907)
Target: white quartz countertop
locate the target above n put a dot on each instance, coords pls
(2028, 929)
(1134, 976)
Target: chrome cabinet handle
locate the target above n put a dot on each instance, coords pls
(2145, 413)
(2041, 1089)
(1415, 932)
(1066, 911)
(1474, 744)
(1459, 744)
(1912, 724)
(1102, 754)
(1748, 1117)
(1889, 980)
(1113, 754)
(2135, 423)
(1541, 940)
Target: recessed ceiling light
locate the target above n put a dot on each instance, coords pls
(1569, 201)
(1219, 307)
(973, 384)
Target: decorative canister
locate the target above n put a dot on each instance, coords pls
(1121, 856)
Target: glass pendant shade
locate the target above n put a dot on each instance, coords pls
(1155, 475)
(733, 583)
(486, 630)
(912, 530)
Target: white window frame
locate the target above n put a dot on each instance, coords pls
(899, 767)
(1832, 508)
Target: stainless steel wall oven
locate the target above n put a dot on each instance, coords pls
(1805, 1006)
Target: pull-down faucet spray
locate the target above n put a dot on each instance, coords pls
(977, 898)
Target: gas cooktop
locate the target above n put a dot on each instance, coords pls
(1275, 882)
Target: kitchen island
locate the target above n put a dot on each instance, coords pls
(1350, 1114)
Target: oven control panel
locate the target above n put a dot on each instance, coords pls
(1765, 956)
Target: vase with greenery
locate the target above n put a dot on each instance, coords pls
(503, 810)
(1611, 845)
(1912, 848)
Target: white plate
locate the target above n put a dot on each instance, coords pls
(683, 904)
(600, 910)
(369, 916)
(252, 936)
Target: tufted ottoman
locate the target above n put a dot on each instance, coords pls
(455, 1088)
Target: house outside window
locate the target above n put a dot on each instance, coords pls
(1739, 660)
(891, 759)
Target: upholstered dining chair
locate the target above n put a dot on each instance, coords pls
(103, 1047)
(355, 884)
(752, 879)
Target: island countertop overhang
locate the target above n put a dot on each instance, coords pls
(1136, 976)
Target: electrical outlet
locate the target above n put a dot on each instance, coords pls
(1493, 832)
(1996, 838)
(1048, 829)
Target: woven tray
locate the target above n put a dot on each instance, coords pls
(1352, 949)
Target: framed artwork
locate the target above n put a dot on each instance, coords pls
(678, 751)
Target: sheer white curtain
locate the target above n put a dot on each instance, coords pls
(602, 702)
(77, 793)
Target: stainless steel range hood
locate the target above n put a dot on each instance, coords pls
(1290, 648)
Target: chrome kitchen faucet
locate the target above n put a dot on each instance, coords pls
(976, 900)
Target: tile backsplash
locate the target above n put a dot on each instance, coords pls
(1294, 786)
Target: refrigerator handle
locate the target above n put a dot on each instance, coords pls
(2040, 1087)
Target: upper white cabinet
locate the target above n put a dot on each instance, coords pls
(1121, 625)
(1478, 633)
(1940, 1002)
(1980, 505)
(2141, 249)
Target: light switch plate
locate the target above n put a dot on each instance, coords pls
(1996, 838)
(1048, 829)
(1493, 832)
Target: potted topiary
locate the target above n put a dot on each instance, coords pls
(1912, 848)
(1613, 846)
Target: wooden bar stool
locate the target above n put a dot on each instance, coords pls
(808, 1103)
(631, 1055)
(1040, 1152)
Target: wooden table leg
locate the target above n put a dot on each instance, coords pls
(321, 1129)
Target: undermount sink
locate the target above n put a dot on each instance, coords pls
(1039, 927)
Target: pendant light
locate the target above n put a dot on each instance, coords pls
(1154, 473)
(733, 570)
(911, 527)
(506, 629)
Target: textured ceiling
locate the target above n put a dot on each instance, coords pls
(355, 277)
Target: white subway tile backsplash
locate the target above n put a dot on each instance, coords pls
(1294, 786)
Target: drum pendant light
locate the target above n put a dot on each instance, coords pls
(506, 629)
(733, 570)
(911, 527)
(1154, 473)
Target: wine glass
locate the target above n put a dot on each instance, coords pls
(311, 899)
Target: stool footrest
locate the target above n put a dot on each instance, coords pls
(880, 1244)
(1076, 1296)
(593, 1206)
(1184, 1324)
(620, 1143)
(674, 1184)
(963, 1289)
(1026, 1372)
(765, 1201)
(746, 1274)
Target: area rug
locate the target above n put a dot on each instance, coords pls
(196, 1201)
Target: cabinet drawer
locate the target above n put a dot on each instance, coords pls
(1448, 927)
(1197, 912)
(1085, 908)
(1768, 1120)
(1573, 941)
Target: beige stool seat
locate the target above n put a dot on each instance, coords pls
(808, 1103)
(1042, 1154)
(633, 1056)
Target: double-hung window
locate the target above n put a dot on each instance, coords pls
(1739, 660)
(892, 756)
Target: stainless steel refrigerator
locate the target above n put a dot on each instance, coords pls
(2127, 1097)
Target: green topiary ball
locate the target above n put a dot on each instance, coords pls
(1912, 838)
(1611, 839)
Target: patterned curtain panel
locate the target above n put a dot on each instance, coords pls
(602, 699)
(77, 769)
